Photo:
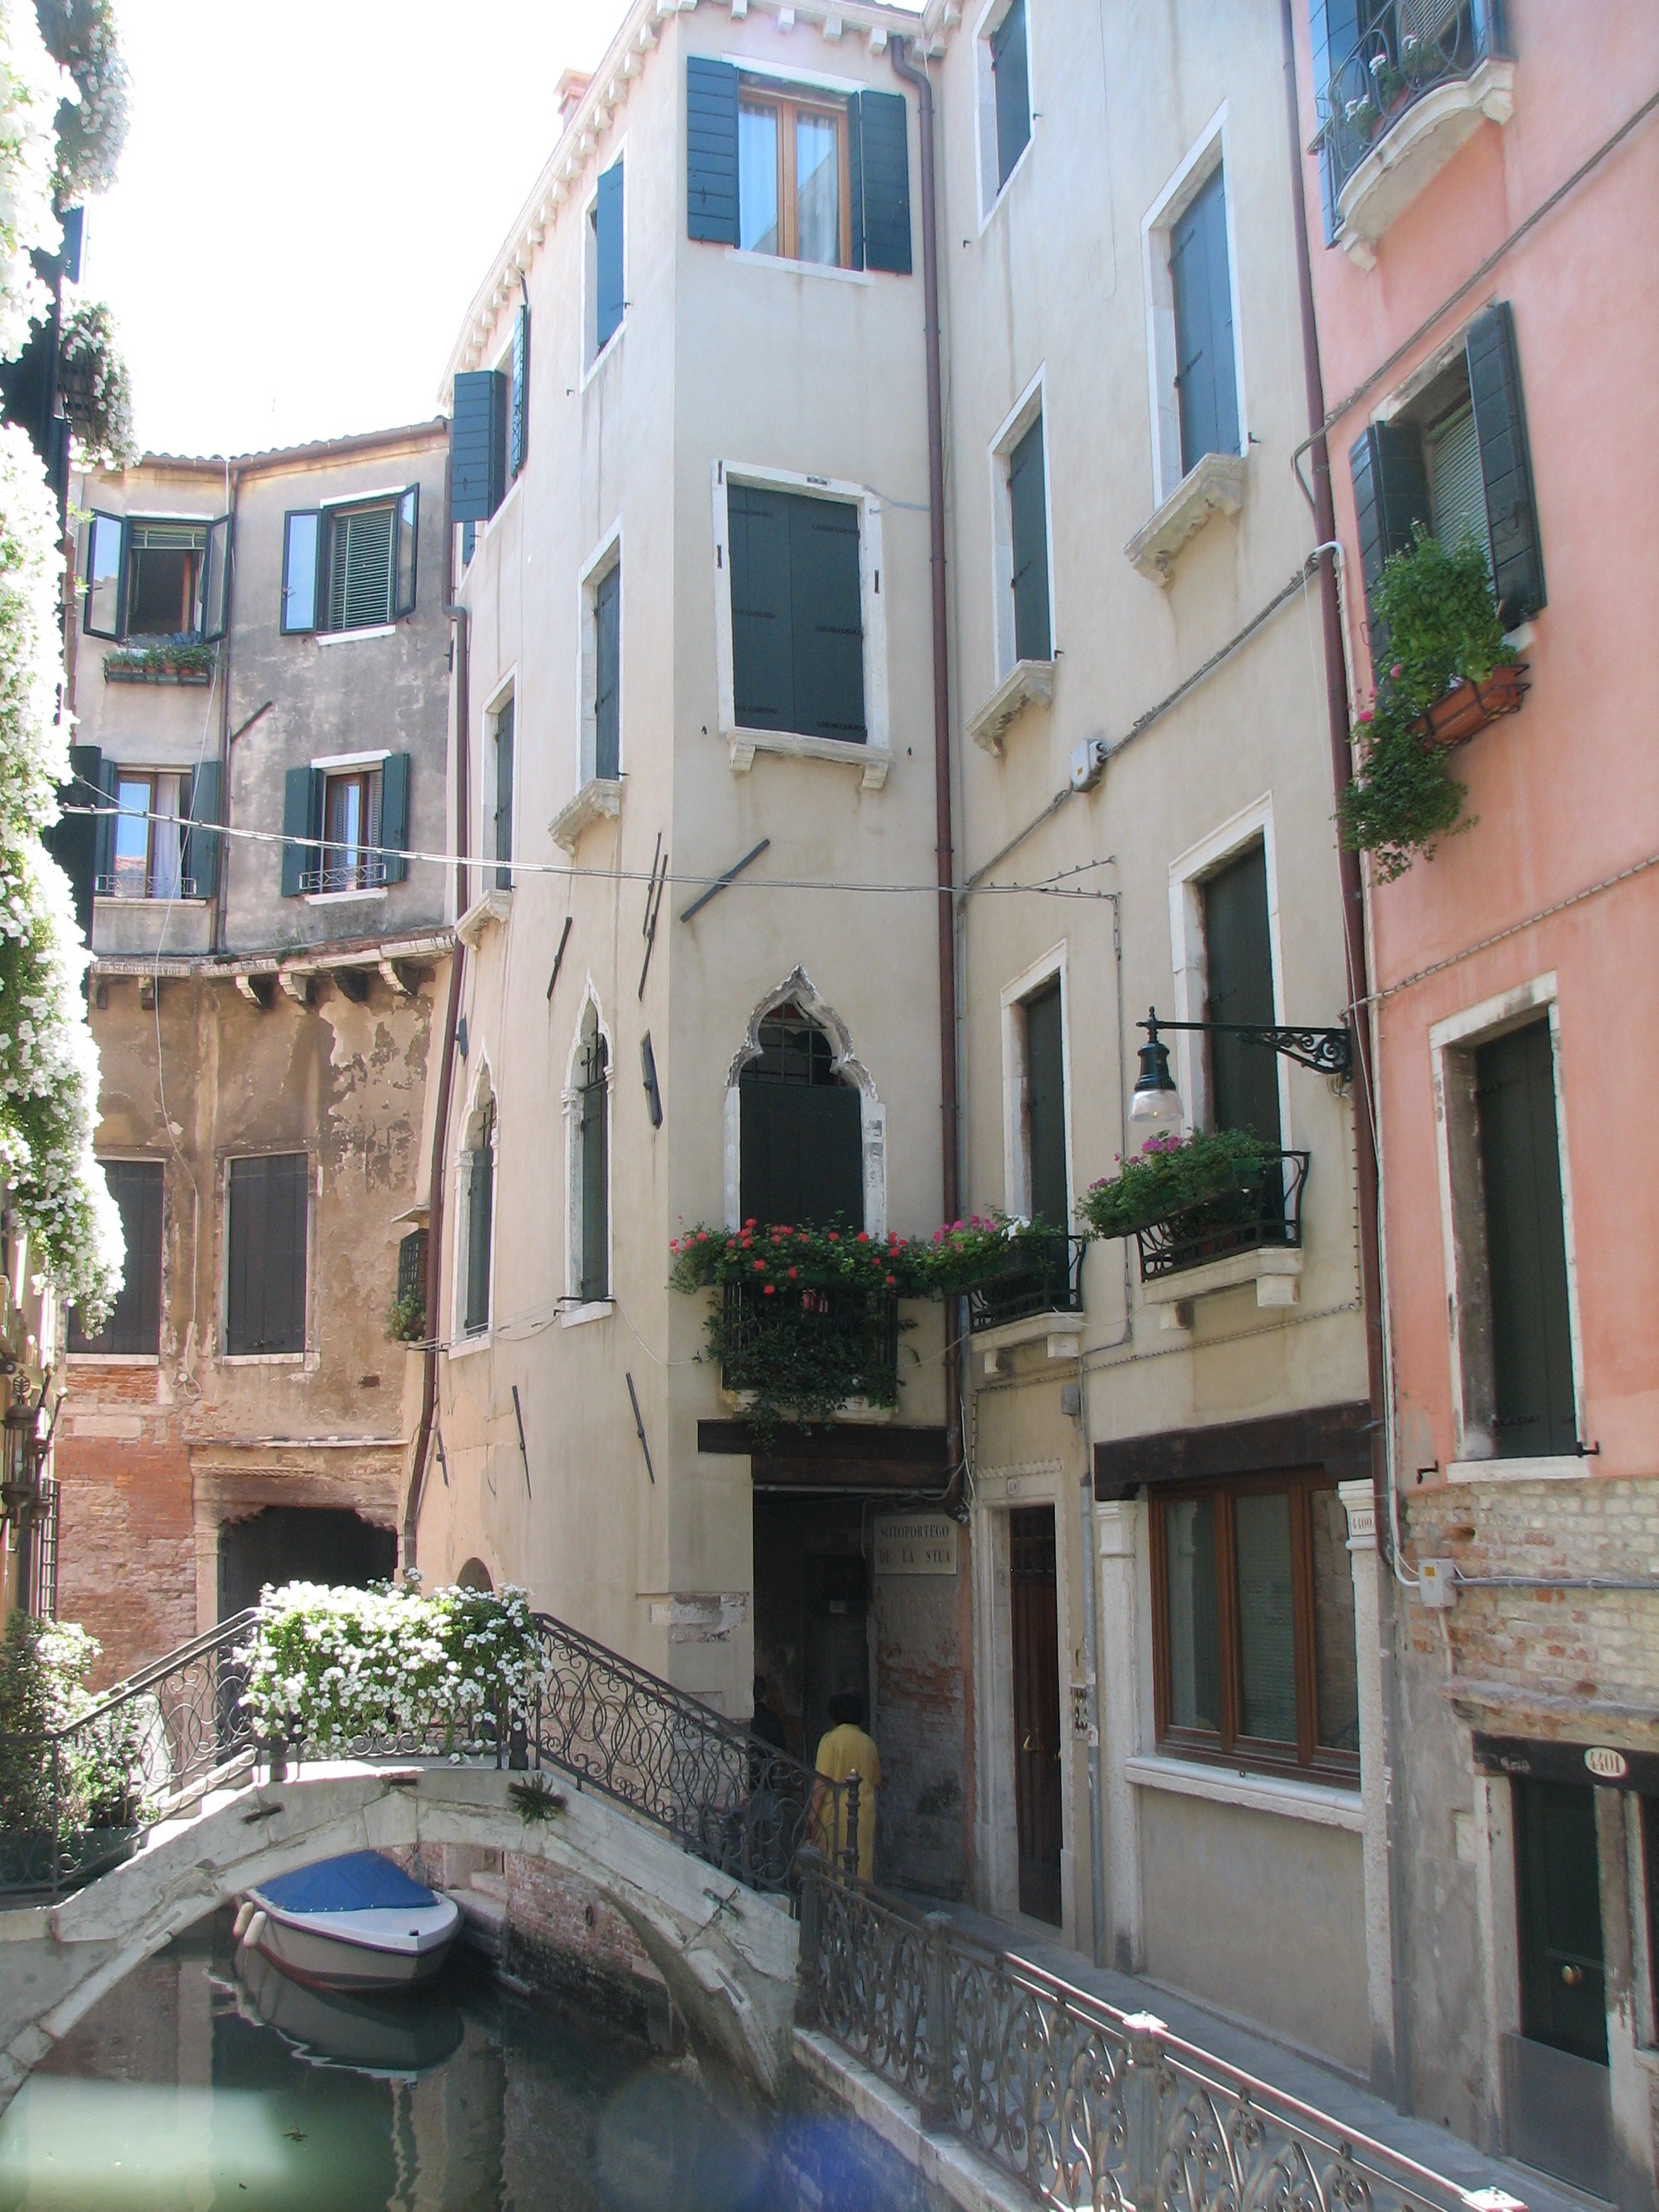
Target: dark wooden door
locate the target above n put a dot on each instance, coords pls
(1563, 1982)
(1526, 1245)
(1036, 1709)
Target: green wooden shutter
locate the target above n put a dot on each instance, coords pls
(302, 539)
(1518, 560)
(607, 674)
(394, 818)
(1390, 497)
(855, 243)
(1526, 1245)
(827, 619)
(1027, 504)
(109, 798)
(299, 859)
(595, 1129)
(200, 861)
(711, 150)
(359, 567)
(477, 445)
(406, 545)
(801, 1153)
(518, 442)
(608, 301)
(100, 614)
(1011, 80)
(880, 158)
(762, 650)
(480, 1223)
(505, 749)
(266, 1258)
(215, 599)
(1238, 949)
(1045, 1105)
(134, 1326)
(1206, 374)
(72, 840)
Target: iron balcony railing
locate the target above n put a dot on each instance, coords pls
(868, 1321)
(345, 871)
(1405, 48)
(1042, 1277)
(77, 1802)
(1085, 2107)
(1263, 1212)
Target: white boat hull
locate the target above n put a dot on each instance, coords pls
(378, 1947)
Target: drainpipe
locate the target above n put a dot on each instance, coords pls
(950, 1133)
(221, 885)
(434, 1217)
(1364, 1120)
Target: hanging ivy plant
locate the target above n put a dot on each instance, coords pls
(97, 395)
(1434, 604)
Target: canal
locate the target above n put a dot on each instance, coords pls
(202, 2083)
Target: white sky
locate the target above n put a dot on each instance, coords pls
(309, 197)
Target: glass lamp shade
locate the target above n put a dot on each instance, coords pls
(1155, 1104)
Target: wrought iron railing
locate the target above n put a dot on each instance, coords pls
(1083, 2105)
(1042, 1276)
(344, 870)
(81, 1799)
(1265, 1212)
(866, 1323)
(1405, 48)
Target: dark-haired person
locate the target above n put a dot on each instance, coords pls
(843, 1752)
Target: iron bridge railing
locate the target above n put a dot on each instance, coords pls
(1405, 49)
(1265, 1211)
(1087, 2107)
(1041, 1278)
(83, 1798)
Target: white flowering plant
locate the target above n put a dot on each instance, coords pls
(331, 1670)
(31, 88)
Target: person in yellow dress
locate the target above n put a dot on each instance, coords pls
(843, 1752)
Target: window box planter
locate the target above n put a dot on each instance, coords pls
(1262, 1212)
(117, 670)
(1469, 707)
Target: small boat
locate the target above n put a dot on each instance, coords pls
(354, 1923)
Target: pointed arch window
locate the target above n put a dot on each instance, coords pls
(801, 1128)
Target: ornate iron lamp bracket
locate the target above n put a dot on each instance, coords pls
(1327, 1051)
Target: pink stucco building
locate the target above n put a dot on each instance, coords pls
(1483, 202)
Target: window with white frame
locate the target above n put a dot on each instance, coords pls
(587, 1107)
(604, 263)
(1003, 79)
(351, 566)
(799, 579)
(1020, 466)
(155, 577)
(1197, 403)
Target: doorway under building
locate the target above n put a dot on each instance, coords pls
(300, 1544)
(1035, 1611)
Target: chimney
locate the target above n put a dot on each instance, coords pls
(569, 92)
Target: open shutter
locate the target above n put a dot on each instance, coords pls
(477, 445)
(608, 265)
(199, 862)
(302, 541)
(855, 243)
(882, 156)
(827, 611)
(394, 818)
(213, 605)
(711, 150)
(72, 840)
(1390, 494)
(406, 541)
(758, 531)
(1500, 423)
(518, 443)
(300, 859)
(109, 798)
(101, 615)
(607, 674)
(1028, 504)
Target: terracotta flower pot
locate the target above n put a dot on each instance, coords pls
(1467, 707)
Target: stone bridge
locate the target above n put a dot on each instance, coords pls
(727, 1953)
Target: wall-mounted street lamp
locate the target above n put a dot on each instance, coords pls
(1154, 1106)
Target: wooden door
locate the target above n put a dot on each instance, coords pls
(1036, 1709)
(1562, 1980)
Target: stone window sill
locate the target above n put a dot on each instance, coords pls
(113, 1358)
(1214, 486)
(595, 1310)
(599, 799)
(1063, 1333)
(1415, 148)
(262, 1358)
(1275, 1270)
(1028, 683)
(485, 913)
(355, 636)
(1564, 1467)
(855, 1412)
(463, 1347)
(874, 761)
(1327, 1804)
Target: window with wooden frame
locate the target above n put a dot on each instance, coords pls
(351, 832)
(794, 181)
(1254, 1624)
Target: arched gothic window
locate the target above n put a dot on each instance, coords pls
(801, 1132)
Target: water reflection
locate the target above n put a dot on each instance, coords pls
(191, 2089)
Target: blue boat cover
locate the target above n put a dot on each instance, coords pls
(355, 1883)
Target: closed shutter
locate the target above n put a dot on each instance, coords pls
(826, 607)
(393, 864)
(1238, 949)
(477, 445)
(360, 568)
(1518, 560)
(302, 537)
(1206, 380)
(879, 155)
(134, 1326)
(596, 1178)
(762, 661)
(1457, 497)
(711, 150)
(101, 612)
(607, 675)
(1029, 520)
(504, 823)
(109, 799)
(802, 1148)
(1011, 80)
(518, 442)
(1390, 497)
(266, 1258)
(1526, 1245)
(1045, 1108)
(300, 822)
(72, 840)
(480, 1222)
(199, 863)
(608, 261)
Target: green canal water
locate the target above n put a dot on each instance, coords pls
(193, 2089)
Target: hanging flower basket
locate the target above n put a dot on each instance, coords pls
(1469, 707)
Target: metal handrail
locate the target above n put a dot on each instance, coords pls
(1042, 1275)
(1084, 2106)
(1262, 1209)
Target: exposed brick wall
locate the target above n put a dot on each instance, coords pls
(126, 1553)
